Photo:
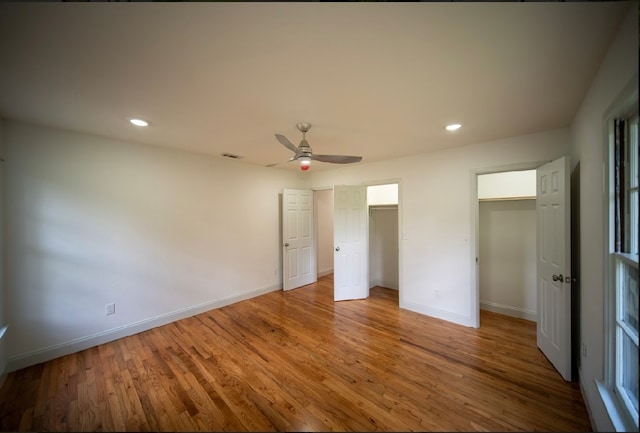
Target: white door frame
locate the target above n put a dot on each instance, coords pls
(397, 181)
(475, 222)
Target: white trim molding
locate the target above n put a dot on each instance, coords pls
(619, 418)
(79, 344)
(325, 272)
(438, 314)
(521, 313)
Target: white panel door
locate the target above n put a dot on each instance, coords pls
(350, 242)
(554, 264)
(298, 243)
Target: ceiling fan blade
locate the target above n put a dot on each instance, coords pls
(286, 143)
(336, 159)
(278, 163)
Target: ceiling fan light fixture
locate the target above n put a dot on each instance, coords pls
(305, 162)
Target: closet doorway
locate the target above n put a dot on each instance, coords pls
(382, 201)
(384, 229)
(507, 243)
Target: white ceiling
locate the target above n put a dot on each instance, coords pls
(380, 80)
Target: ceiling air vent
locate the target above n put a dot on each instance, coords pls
(230, 155)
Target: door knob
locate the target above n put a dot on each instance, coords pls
(286, 244)
(337, 248)
(557, 277)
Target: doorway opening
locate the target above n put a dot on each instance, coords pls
(552, 250)
(383, 219)
(491, 176)
(382, 201)
(507, 243)
(323, 205)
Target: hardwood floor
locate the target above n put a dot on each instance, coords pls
(297, 361)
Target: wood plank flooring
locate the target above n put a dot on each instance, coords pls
(297, 361)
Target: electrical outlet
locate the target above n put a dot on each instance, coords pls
(584, 350)
(275, 272)
(437, 293)
(110, 309)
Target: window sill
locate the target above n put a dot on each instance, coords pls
(630, 259)
(621, 421)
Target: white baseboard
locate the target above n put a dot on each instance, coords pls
(325, 272)
(438, 314)
(82, 343)
(508, 310)
(385, 284)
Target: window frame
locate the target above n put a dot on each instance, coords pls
(615, 401)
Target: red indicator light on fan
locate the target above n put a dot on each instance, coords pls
(304, 167)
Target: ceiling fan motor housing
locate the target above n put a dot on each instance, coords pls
(304, 149)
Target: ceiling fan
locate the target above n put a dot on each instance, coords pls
(305, 155)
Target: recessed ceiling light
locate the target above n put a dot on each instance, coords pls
(453, 127)
(139, 122)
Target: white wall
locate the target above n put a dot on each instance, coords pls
(324, 230)
(588, 138)
(383, 246)
(507, 265)
(163, 234)
(436, 216)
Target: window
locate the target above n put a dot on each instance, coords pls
(622, 360)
